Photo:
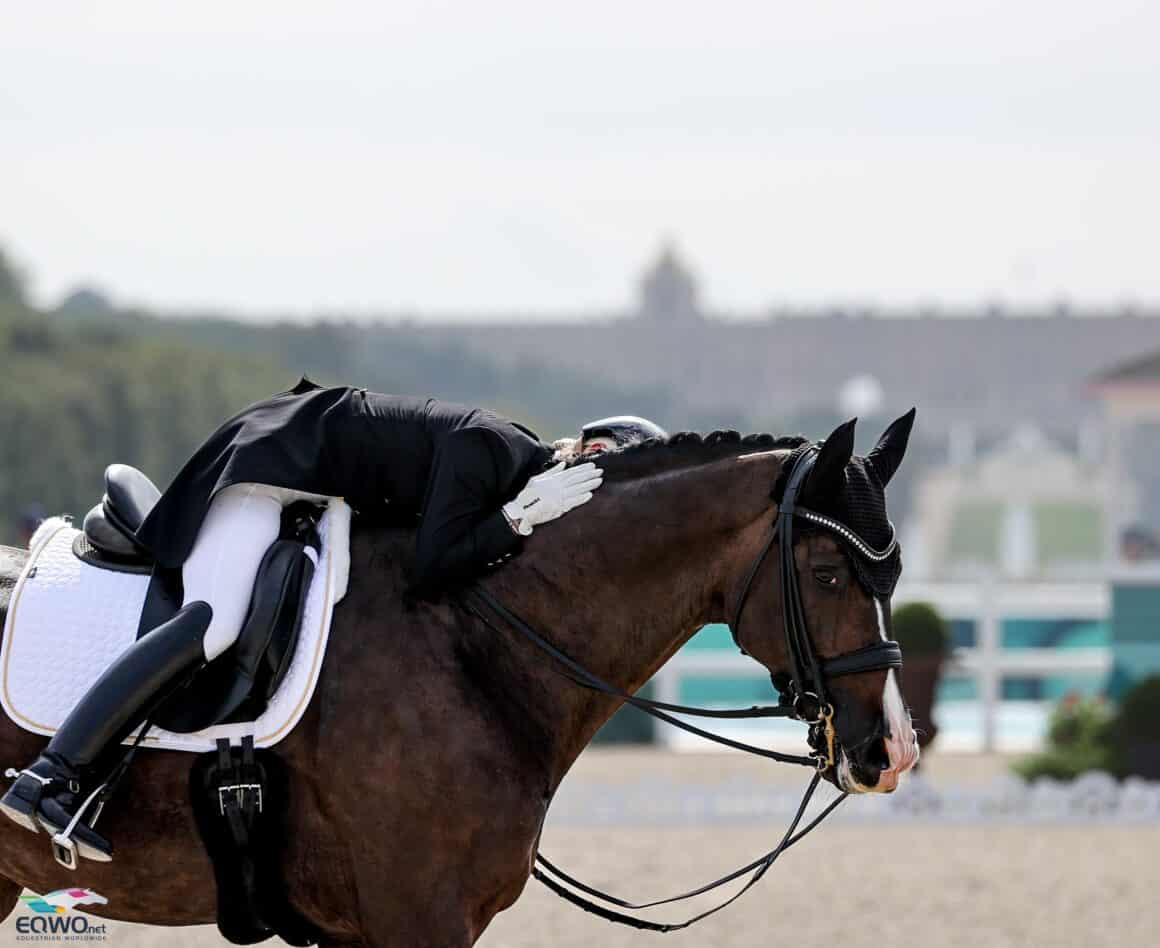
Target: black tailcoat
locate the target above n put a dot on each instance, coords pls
(386, 455)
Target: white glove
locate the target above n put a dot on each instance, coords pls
(551, 495)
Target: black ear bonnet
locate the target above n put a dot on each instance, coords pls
(858, 508)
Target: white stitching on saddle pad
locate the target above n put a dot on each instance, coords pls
(67, 621)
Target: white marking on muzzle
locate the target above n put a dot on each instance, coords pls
(902, 744)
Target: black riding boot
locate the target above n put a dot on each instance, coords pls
(69, 772)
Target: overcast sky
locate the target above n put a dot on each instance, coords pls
(484, 158)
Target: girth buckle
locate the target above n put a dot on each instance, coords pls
(239, 790)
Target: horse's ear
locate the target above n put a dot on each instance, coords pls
(888, 452)
(829, 474)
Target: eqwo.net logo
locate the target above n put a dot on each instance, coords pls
(51, 919)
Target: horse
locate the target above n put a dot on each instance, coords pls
(421, 773)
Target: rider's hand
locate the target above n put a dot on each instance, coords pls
(551, 495)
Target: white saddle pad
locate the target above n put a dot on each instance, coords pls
(68, 620)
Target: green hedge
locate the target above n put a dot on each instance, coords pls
(920, 630)
(75, 399)
(1085, 734)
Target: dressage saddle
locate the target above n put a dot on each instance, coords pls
(239, 794)
(238, 684)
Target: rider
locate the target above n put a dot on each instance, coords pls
(477, 483)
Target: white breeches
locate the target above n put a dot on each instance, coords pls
(242, 521)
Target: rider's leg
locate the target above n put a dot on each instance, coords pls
(75, 762)
(241, 524)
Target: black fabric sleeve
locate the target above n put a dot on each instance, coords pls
(462, 527)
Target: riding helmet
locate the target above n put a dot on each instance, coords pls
(623, 429)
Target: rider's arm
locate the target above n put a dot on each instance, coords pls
(462, 527)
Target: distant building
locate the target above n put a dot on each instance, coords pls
(668, 291)
(981, 371)
(1027, 510)
(1130, 396)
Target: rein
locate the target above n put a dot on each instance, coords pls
(806, 693)
(474, 596)
(556, 879)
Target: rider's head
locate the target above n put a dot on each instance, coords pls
(608, 434)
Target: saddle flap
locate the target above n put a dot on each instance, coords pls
(239, 683)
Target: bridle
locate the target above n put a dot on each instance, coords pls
(804, 696)
(804, 690)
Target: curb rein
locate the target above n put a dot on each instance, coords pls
(804, 699)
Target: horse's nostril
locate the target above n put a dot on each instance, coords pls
(876, 755)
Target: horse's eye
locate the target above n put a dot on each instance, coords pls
(827, 577)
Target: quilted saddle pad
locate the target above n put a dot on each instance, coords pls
(68, 620)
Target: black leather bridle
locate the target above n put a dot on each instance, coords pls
(803, 688)
(804, 697)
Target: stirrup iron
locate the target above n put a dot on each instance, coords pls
(64, 847)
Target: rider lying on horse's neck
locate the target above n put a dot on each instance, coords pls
(659, 552)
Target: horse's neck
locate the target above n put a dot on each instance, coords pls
(626, 581)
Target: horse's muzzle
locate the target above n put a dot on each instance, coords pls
(878, 765)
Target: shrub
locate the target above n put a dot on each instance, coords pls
(1077, 741)
(1078, 722)
(1139, 713)
(920, 630)
(1063, 764)
(1134, 733)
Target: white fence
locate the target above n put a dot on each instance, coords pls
(987, 604)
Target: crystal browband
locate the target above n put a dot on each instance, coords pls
(863, 548)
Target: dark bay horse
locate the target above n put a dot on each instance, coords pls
(423, 769)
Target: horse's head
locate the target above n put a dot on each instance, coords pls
(819, 619)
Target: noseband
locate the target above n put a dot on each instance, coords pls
(804, 692)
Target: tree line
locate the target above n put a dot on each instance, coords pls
(80, 389)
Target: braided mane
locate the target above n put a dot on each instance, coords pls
(683, 449)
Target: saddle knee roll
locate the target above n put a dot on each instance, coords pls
(238, 684)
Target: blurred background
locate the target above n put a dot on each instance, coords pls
(766, 217)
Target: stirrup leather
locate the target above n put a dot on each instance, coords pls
(64, 848)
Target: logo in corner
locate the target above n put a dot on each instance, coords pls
(51, 920)
(60, 901)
